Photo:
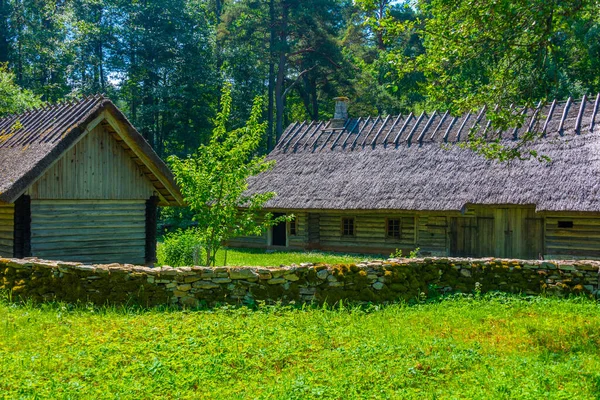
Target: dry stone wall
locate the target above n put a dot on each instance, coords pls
(374, 281)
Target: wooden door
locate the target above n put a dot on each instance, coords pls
(279, 232)
(485, 237)
(463, 237)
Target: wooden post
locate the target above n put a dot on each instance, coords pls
(151, 227)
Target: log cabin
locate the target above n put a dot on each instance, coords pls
(405, 182)
(79, 183)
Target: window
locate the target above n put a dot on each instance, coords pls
(565, 224)
(348, 226)
(293, 227)
(393, 228)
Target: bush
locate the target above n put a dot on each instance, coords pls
(180, 248)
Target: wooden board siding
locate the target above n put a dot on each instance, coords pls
(7, 227)
(97, 167)
(298, 241)
(370, 232)
(580, 241)
(89, 231)
(432, 235)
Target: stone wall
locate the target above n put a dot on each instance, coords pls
(376, 281)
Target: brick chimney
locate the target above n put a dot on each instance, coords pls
(341, 112)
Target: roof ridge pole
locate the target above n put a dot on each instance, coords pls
(594, 112)
(462, 126)
(306, 133)
(339, 135)
(410, 116)
(333, 131)
(439, 125)
(564, 115)
(286, 134)
(391, 129)
(580, 115)
(549, 117)
(319, 135)
(291, 137)
(533, 116)
(427, 125)
(516, 130)
(374, 142)
(349, 133)
(414, 128)
(370, 130)
(360, 129)
(449, 128)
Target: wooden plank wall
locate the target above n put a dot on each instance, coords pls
(432, 235)
(7, 227)
(370, 233)
(580, 241)
(89, 231)
(97, 167)
(299, 241)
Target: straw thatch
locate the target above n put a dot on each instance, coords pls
(32, 141)
(413, 163)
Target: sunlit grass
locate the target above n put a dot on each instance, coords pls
(496, 347)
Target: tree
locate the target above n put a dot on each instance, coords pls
(213, 180)
(14, 99)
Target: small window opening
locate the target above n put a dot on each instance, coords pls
(565, 224)
(393, 228)
(293, 227)
(348, 226)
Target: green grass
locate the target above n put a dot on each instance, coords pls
(498, 347)
(265, 258)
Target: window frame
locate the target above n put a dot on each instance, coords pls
(342, 226)
(387, 228)
(566, 224)
(293, 227)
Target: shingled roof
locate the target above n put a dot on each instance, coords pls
(410, 163)
(32, 141)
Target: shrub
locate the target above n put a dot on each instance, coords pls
(181, 248)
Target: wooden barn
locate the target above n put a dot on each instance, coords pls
(79, 183)
(377, 184)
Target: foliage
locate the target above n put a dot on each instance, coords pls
(181, 248)
(499, 346)
(13, 99)
(412, 254)
(256, 257)
(214, 181)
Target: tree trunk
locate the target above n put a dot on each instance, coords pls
(279, 86)
(271, 106)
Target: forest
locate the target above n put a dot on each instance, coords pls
(165, 62)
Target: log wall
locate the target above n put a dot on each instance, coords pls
(7, 228)
(89, 231)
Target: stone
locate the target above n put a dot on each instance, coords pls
(243, 273)
(291, 277)
(184, 288)
(264, 273)
(331, 278)
(205, 285)
(179, 293)
(378, 285)
(336, 284)
(221, 280)
(322, 274)
(466, 273)
(276, 281)
(189, 301)
(171, 285)
(191, 279)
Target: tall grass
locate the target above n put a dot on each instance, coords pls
(497, 346)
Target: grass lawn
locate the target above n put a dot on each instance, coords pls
(265, 258)
(498, 347)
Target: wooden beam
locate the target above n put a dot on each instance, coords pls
(449, 128)
(306, 133)
(533, 117)
(338, 137)
(414, 128)
(404, 125)
(516, 130)
(564, 116)
(359, 132)
(385, 139)
(594, 112)
(550, 112)
(439, 125)
(292, 136)
(580, 115)
(429, 122)
(374, 141)
(349, 133)
(286, 133)
(370, 130)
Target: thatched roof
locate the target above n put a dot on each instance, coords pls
(413, 163)
(32, 141)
